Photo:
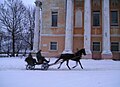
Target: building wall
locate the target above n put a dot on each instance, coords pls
(50, 33)
(58, 33)
(46, 45)
(115, 31)
(47, 7)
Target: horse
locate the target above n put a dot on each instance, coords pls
(74, 57)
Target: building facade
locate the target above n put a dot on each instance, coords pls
(63, 26)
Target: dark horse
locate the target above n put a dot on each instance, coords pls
(75, 57)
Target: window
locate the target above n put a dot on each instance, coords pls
(114, 18)
(114, 46)
(96, 46)
(96, 18)
(54, 18)
(78, 18)
(53, 45)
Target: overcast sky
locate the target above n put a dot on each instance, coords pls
(26, 2)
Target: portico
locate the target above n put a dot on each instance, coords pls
(87, 28)
(69, 28)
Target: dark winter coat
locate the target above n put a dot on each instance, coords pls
(30, 60)
(40, 58)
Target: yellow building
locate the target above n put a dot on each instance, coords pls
(63, 26)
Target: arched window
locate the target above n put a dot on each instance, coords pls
(78, 18)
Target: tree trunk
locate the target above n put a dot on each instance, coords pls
(13, 44)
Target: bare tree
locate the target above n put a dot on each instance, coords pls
(12, 16)
(29, 24)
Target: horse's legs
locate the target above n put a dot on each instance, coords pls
(60, 64)
(80, 64)
(68, 65)
(57, 60)
(75, 65)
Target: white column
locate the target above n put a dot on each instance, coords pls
(106, 53)
(87, 27)
(37, 26)
(69, 28)
(40, 28)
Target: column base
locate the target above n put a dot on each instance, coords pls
(67, 52)
(107, 55)
(87, 56)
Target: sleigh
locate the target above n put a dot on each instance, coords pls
(31, 65)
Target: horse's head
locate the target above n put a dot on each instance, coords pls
(80, 52)
(83, 51)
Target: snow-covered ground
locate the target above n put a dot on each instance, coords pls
(96, 73)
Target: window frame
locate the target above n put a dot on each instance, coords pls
(93, 13)
(97, 45)
(50, 46)
(114, 24)
(118, 48)
(53, 14)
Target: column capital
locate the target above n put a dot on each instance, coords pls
(38, 4)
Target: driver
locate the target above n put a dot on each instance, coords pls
(40, 58)
(30, 60)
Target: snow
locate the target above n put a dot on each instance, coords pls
(96, 73)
